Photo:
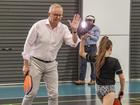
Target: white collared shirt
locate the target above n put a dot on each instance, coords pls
(44, 42)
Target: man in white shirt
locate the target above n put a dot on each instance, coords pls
(40, 51)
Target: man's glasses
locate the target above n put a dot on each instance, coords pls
(58, 15)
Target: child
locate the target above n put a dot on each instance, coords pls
(106, 67)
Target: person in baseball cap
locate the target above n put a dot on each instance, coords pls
(90, 47)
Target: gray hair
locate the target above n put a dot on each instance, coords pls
(55, 5)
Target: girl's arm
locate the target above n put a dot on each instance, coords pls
(122, 83)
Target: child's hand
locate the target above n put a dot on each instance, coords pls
(121, 93)
(84, 37)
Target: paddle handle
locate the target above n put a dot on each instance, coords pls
(26, 74)
(121, 93)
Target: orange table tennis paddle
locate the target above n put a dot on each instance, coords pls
(28, 84)
(117, 101)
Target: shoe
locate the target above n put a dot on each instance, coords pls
(79, 82)
(92, 82)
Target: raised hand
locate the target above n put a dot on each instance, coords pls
(75, 22)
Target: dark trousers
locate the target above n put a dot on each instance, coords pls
(92, 49)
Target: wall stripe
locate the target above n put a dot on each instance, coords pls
(135, 40)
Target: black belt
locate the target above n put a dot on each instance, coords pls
(43, 60)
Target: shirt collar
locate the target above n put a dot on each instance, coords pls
(48, 23)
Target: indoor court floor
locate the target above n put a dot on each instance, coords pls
(69, 94)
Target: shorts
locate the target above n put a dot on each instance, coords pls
(103, 90)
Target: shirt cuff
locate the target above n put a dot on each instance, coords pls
(119, 72)
(26, 56)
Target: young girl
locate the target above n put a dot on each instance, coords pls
(106, 67)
